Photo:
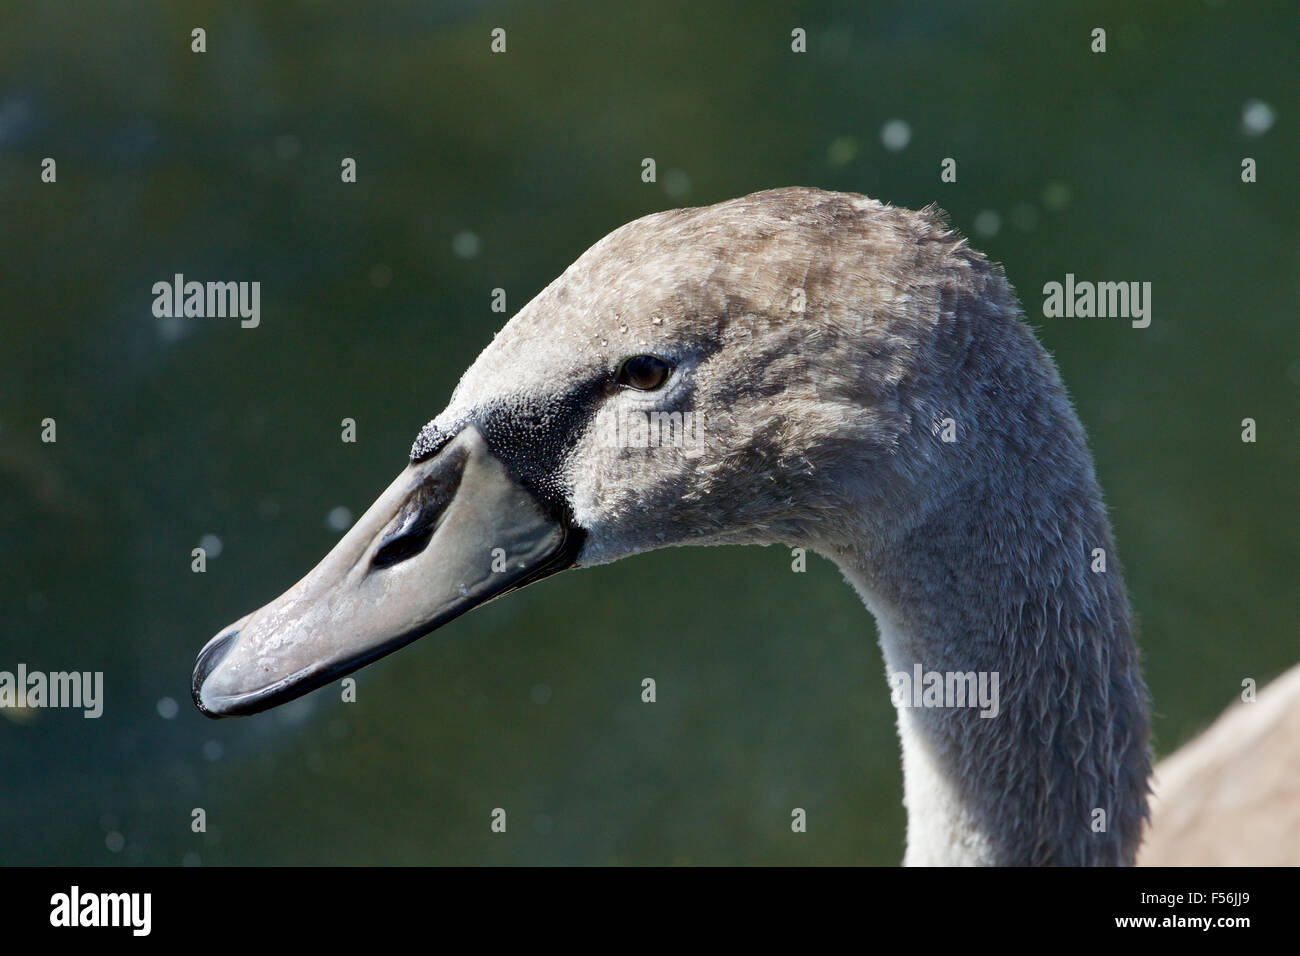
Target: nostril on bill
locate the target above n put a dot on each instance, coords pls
(403, 545)
(413, 528)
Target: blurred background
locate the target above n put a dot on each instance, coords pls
(478, 171)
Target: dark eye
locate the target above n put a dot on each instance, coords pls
(644, 372)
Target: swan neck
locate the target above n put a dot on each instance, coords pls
(1026, 741)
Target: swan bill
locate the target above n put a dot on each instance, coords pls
(452, 532)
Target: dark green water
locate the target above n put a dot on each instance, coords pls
(1120, 166)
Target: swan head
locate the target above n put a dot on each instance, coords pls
(742, 373)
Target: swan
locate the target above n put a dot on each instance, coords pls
(862, 386)
(1231, 797)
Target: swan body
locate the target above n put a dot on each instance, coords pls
(865, 388)
(1231, 797)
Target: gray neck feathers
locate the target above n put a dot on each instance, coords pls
(978, 556)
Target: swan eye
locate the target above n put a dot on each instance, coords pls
(644, 372)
